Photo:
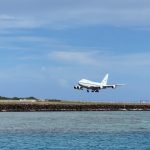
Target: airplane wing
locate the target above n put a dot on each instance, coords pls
(112, 86)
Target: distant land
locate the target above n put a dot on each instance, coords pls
(30, 104)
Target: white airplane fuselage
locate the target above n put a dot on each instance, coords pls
(87, 83)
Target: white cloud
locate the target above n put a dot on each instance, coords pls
(129, 59)
(6, 18)
(75, 57)
(103, 60)
(68, 13)
(13, 21)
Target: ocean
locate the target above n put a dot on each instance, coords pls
(87, 130)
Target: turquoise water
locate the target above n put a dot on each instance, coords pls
(75, 130)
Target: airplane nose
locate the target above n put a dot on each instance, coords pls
(79, 82)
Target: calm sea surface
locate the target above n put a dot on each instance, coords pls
(75, 130)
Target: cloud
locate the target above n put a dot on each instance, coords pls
(85, 58)
(69, 13)
(103, 60)
(13, 21)
(7, 18)
(129, 59)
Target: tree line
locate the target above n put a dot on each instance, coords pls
(16, 98)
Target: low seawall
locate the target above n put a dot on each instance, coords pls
(24, 107)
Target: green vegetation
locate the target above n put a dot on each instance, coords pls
(17, 98)
(3, 98)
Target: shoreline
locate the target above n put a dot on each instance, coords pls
(70, 106)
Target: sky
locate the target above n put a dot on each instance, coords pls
(47, 46)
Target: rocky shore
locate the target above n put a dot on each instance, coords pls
(41, 106)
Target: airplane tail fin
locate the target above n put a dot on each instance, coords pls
(105, 79)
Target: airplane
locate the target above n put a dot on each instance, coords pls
(95, 86)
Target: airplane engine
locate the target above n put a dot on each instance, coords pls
(77, 87)
(114, 86)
